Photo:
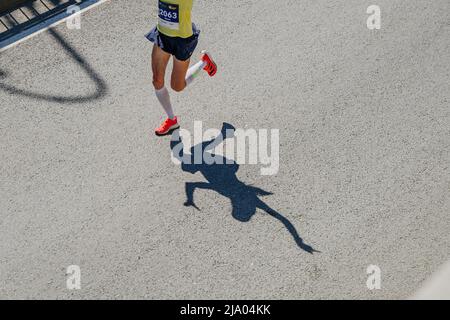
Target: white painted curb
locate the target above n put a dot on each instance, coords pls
(437, 287)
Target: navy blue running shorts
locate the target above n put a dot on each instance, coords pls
(181, 48)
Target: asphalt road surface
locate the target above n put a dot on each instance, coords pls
(364, 174)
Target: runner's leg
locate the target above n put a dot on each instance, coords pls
(194, 71)
(180, 69)
(182, 75)
(160, 59)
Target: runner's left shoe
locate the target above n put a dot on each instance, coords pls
(210, 66)
(168, 126)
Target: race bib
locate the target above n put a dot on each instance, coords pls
(169, 15)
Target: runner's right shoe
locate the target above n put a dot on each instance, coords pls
(210, 66)
(168, 126)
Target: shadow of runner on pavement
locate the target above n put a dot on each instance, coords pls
(245, 199)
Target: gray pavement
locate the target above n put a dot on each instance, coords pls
(364, 157)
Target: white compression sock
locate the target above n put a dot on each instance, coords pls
(164, 98)
(193, 72)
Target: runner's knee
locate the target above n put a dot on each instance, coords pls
(158, 83)
(178, 86)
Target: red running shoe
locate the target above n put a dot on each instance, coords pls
(210, 66)
(168, 126)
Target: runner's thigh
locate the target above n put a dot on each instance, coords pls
(160, 59)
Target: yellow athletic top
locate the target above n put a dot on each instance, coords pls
(174, 18)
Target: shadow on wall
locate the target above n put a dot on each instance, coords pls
(101, 86)
(245, 199)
